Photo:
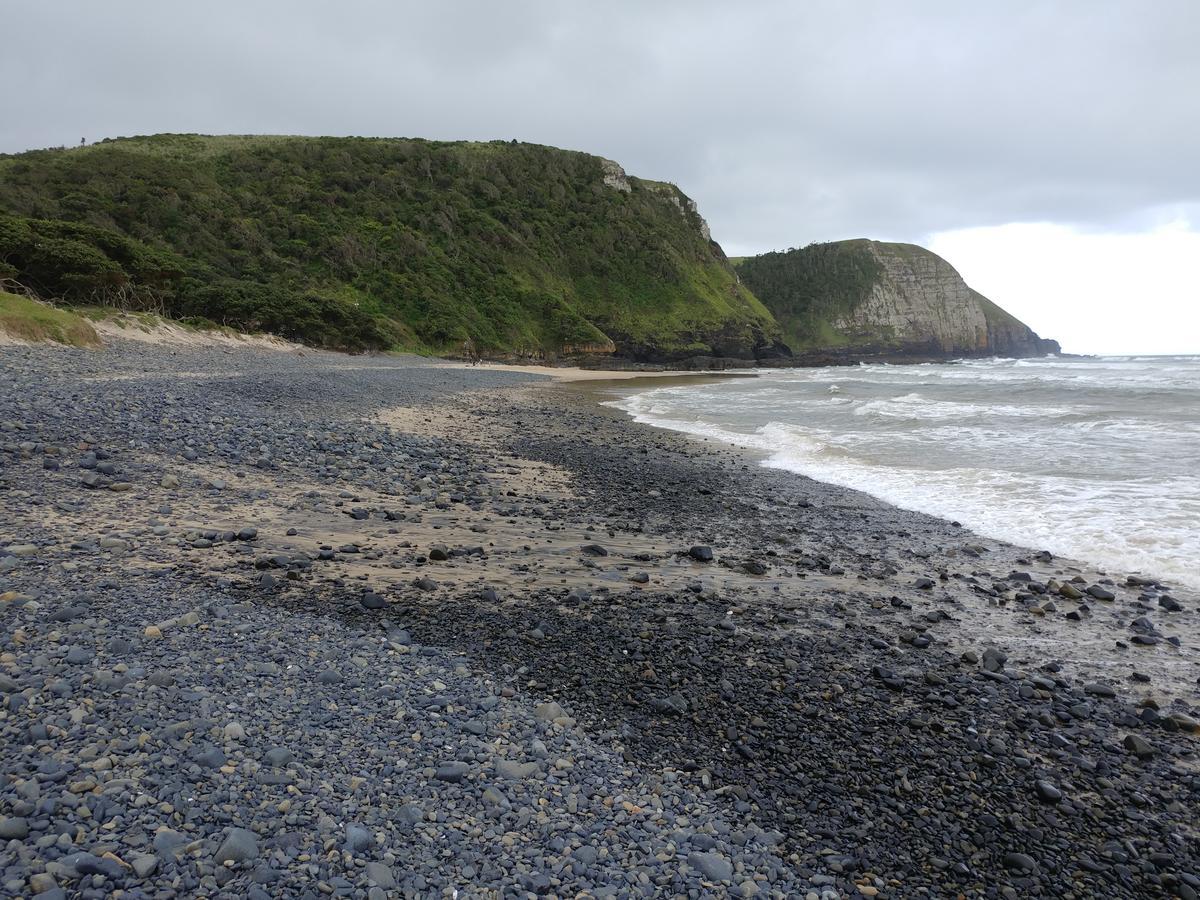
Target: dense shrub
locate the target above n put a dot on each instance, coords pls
(348, 241)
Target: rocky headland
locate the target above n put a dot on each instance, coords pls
(861, 300)
(281, 623)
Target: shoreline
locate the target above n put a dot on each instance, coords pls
(1040, 565)
(576, 373)
(764, 457)
(605, 650)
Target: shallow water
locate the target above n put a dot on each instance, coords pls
(1096, 459)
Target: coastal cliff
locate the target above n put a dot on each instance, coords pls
(861, 299)
(499, 249)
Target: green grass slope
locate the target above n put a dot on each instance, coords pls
(378, 243)
(29, 320)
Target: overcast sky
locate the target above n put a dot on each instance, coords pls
(1033, 144)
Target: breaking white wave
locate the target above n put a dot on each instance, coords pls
(1095, 459)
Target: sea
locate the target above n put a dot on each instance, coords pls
(1093, 458)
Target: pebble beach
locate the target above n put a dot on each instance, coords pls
(281, 623)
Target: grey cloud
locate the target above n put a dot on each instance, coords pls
(788, 122)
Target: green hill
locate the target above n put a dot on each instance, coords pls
(862, 299)
(370, 243)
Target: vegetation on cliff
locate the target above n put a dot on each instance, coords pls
(810, 289)
(379, 243)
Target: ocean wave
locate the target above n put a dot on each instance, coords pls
(918, 406)
(1097, 460)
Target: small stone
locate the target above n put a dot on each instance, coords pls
(92, 480)
(548, 712)
(1047, 792)
(700, 553)
(509, 768)
(358, 839)
(239, 845)
(371, 600)
(234, 732)
(1138, 746)
(14, 828)
(452, 772)
(78, 656)
(143, 864)
(994, 660)
(43, 883)
(381, 875)
(712, 866)
(278, 757)
(1019, 862)
(108, 866)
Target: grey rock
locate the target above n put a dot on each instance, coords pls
(1047, 792)
(1019, 862)
(78, 656)
(143, 864)
(453, 772)
(712, 866)
(371, 600)
(278, 757)
(239, 845)
(358, 839)
(14, 828)
(548, 712)
(381, 875)
(509, 768)
(1138, 746)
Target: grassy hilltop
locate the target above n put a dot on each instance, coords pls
(369, 243)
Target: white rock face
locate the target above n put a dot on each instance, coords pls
(704, 229)
(919, 298)
(615, 177)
